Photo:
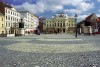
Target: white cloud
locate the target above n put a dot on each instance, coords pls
(34, 8)
(74, 11)
(99, 10)
(98, 15)
(57, 5)
(80, 8)
(98, 0)
(81, 17)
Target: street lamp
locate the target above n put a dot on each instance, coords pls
(76, 30)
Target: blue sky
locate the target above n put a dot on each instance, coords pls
(47, 8)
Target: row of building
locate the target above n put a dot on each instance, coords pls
(10, 19)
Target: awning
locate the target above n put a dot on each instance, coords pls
(31, 30)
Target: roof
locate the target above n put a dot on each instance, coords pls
(6, 5)
(91, 17)
(82, 22)
(1, 13)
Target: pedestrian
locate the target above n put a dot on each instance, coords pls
(76, 33)
(55, 32)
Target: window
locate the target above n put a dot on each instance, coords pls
(2, 25)
(47, 25)
(11, 18)
(69, 25)
(72, 24)
(14, 14)
(6, 11)
(17, 20)
(6, 24)
(2, 18)
(50, 25)
(6, 17)
(11, 12)
(58, 24)
(17, 14)
(63, 24)
(55, 24)
(9, 24)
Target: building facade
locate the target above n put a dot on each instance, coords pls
(36, 23)
(12, 17)
(31, 21)
(2, 25)
(60, 23)
(42, 24)
(28, 19)
(72, 21)
(89, 25)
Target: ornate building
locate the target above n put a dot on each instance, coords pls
(60, 23)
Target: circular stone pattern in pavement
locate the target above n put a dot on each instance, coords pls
(44, 48)
(59, 39)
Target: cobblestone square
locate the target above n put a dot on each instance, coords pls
(50, 50)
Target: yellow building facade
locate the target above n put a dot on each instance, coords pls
(60, 23)
(2, 25)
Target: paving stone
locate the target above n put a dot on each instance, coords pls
(14, 58)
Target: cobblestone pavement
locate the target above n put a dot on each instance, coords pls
(50, 50)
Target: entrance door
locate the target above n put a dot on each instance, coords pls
(58, 30)
(64, 30)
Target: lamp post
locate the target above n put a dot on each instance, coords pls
(76, 29)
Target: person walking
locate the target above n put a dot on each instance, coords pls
(76, 32)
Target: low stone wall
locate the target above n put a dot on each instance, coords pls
(7, 35)
(3, 35)
(10, 35)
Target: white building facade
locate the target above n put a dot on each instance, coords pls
(36, 22)
(12, 18)
(30, 21)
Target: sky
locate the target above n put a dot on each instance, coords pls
(47, 8)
